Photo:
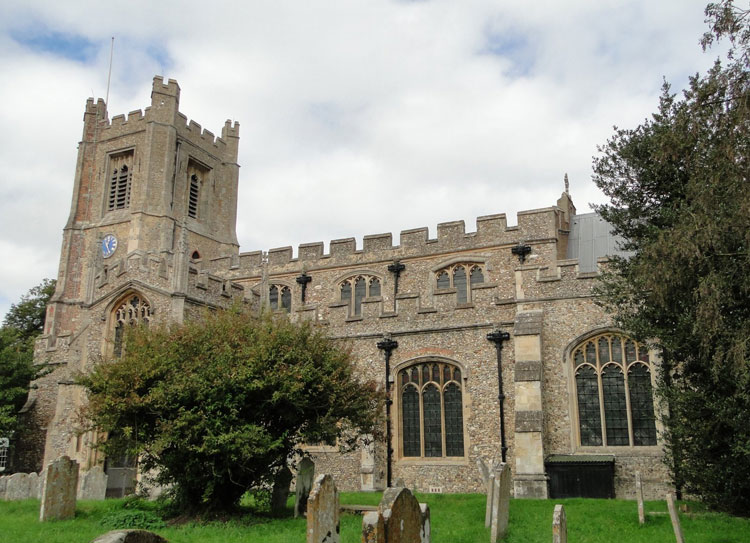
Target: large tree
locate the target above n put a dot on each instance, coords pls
(680, 196)
(21, 326)
(217, 405)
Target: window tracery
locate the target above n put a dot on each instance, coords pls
(356, 289)
(132, 311)
(463, 277)
(431, 410)
(614, 395)
(280, 297)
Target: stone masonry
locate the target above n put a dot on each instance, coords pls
(165, 190)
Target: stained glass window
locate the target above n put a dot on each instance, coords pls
(410, 417)
(432, 410)
(615, 408)
(433, 434)
(463, 277)
(454, 421)
(362, 287)
(641, 405)
(590, 422)
(459, 281)
(610, 371)
(132, 311)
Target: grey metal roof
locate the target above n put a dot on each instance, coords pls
(591, 238)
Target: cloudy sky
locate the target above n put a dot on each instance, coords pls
(357, 116)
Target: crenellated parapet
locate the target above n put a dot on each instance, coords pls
(539, 226)
(164, 109)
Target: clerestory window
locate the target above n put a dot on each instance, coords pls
(614, 394)
(120, 180)
(355, 289)
(431, 405)
(280, 297)
(463, 277)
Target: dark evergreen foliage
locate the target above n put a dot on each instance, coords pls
(23, 323)
(680, 196)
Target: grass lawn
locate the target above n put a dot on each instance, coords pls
(456, 518)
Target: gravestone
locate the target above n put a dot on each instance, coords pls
(426, 532)
(129, 536)
(323, 511)
(3, 486)
(93, 484)
(490, 500)
(639, 497)
(402, 516)
(559, 525)
(280, 491)
(305, 478)
(17, 487)
(42, 475)
(59, 490)
(675, 518)
(35, 485)
(373, 529)
(501, 503)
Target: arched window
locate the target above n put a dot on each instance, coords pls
(132, 311)
(280, 297)
(432, 423)
(463, 277)
(613, 392)
(362, 287)
(120, 180)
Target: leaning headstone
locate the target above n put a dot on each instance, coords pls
(402, 516)
(280, 491)
(323, 511)
(93, 484)
(373, 529)
(17, 487)
(639, 497)
(501, 503)
(59, 490)
(129, 536)
(559, 525)
(42, 475)
(305, 478)
(675, 518)
(490, 500)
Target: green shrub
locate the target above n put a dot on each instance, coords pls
(132, 519)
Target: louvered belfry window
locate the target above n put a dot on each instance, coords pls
(431, 411)
(120, 180)
(613, 390)
(195, 185)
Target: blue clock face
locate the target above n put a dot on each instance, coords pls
(109, 245)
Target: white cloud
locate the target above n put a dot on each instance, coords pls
(357, 117)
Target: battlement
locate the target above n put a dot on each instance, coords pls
(539, 225)
(164, 108)
(171, 88)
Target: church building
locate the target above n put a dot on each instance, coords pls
(488, 342)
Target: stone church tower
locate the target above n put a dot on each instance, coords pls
(154, 195)
(489, 343)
